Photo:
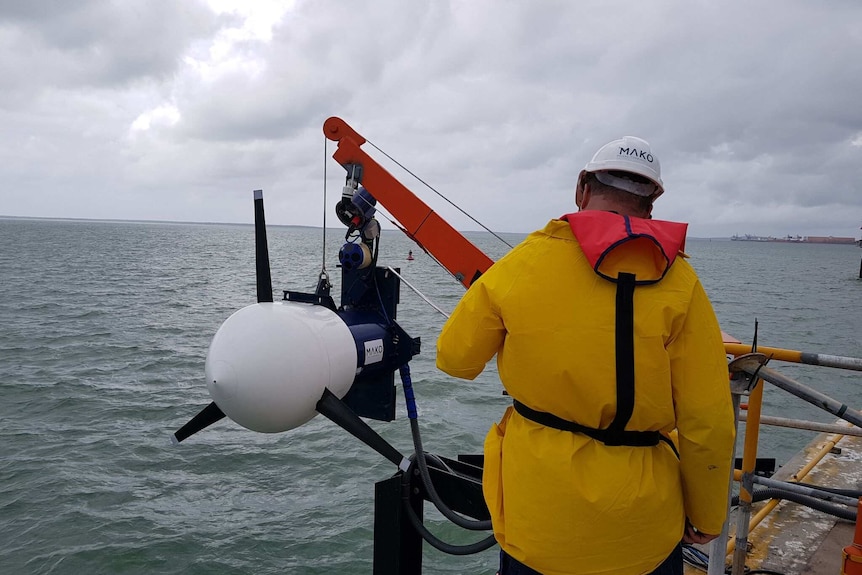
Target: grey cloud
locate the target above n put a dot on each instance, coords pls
(751, 106)
(68, 45)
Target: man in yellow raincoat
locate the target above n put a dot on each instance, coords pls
(606, 342)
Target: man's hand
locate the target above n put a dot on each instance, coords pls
(695, 537)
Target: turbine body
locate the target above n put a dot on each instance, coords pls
(268, 363)
(274, 365)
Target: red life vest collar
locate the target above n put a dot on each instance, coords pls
(613, 243)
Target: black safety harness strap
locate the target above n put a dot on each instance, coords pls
(635, 438)
(615, 433)
(624, 336)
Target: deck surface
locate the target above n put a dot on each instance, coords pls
(827, 558)
(796, 540)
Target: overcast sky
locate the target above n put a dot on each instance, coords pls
(177, 110)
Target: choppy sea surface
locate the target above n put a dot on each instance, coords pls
(104, 329)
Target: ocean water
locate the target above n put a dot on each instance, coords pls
(104, 328)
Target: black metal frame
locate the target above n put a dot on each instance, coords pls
(397, 545)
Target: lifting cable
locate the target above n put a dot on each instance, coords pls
(427, 185)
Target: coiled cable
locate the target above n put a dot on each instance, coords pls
(420, 460)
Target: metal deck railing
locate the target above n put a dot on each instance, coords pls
(748, 371)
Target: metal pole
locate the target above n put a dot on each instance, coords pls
(806, 393)
(806, 425)
(808, 358)
(718, 546)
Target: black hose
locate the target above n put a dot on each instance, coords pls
(855, 493)
(432, 539)
(474, 525)
(435, 498)
(421, 462)
(839, 511)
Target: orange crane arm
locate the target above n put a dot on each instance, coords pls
(455, 252)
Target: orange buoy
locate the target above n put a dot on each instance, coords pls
(851, 563)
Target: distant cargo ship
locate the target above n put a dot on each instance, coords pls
(795, 239)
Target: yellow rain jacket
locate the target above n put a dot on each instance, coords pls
(561, 502)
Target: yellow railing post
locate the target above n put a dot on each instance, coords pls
(749, 460)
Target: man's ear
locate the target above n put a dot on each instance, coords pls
(579, 188)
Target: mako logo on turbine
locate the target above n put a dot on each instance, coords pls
(373, 351)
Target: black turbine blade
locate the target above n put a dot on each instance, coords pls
(208, 415)
(754, 339)
(261, 251)
(338, 411)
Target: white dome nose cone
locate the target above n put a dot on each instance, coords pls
(268, 364)
(222, 376)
